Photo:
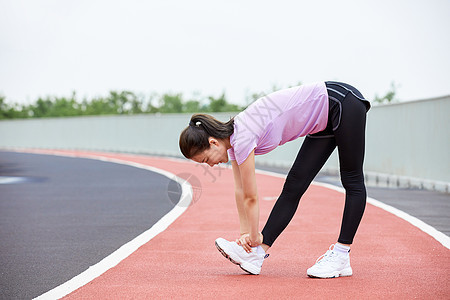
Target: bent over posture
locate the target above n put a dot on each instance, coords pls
(329, 114)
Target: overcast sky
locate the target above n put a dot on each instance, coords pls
(54, 47)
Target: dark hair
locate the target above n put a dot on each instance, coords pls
(194, 138)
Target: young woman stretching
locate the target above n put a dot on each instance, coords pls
(329, 114)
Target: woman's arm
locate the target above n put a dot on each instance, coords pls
(239, 195)
(250, 199)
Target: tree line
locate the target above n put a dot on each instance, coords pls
(115, 103)
(128, 103)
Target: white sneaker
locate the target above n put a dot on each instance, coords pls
(249, 262)
(331, 264)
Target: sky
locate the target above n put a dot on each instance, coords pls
(54, 47)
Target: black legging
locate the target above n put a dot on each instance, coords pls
(346, 130)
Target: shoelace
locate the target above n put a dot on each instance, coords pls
(325, 257)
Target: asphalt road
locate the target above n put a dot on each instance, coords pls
(60, 215)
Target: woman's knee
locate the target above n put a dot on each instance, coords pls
(353, 181)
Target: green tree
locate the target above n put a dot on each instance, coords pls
(136, 104)
(125, 102)
(389, 97)
(217, 104)
(98, 106)
(148, 106)
(192, 106)
(6, 111)
(65, 107)
(220, 104)
(41, 108)
(171, 103)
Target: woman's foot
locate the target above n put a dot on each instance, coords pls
(332, 264)
(249, 262)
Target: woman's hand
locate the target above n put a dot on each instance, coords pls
(243, 241)
(247, 242)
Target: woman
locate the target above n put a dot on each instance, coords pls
(329, 114)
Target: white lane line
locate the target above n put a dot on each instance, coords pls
(433, 232)
(126, 250)
(11, 180)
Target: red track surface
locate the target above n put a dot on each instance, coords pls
(390, 257)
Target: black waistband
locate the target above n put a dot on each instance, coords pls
(339, 90)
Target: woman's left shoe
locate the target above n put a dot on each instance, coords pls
(249, 262)
(330, 265)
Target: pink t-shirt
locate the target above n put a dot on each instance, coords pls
(278, 118)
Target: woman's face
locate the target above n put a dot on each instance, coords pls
(215, 154)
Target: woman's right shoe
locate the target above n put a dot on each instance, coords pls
(330, 265)
(249, 262)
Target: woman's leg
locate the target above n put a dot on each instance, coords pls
(312, 156)
(350, 140)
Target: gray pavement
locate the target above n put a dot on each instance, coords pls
(63, 215)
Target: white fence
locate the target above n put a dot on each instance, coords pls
(407, 143)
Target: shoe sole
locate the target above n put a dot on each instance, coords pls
(234, 261)
(344, 273)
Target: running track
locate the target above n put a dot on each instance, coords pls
(391, 258)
